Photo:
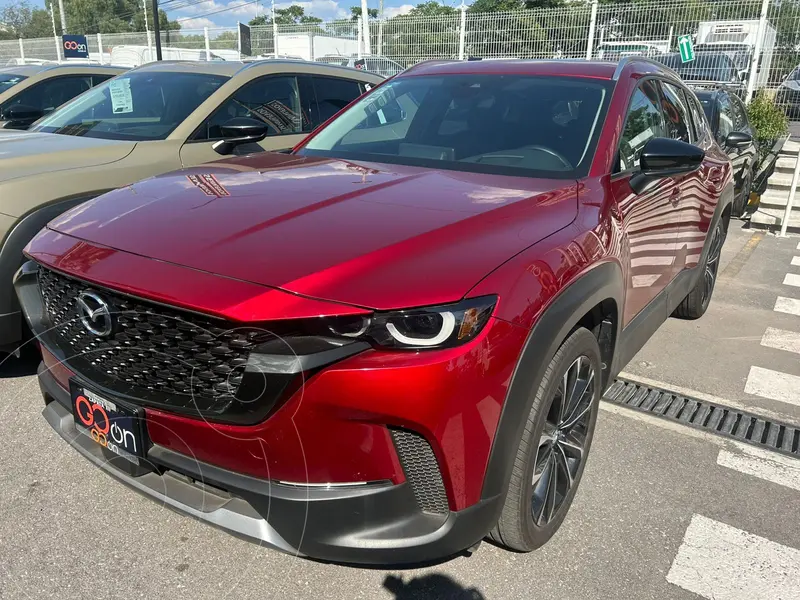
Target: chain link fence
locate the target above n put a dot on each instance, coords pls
(756, 43)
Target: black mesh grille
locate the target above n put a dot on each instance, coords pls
(422, 471)
(170, 357)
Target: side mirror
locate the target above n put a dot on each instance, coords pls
(738, 139)
(238, 131)
(663, 157)
(21, 116)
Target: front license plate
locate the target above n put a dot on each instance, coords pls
(114, 426)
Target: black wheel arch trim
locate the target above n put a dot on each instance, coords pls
(603, 282)
(23, 231)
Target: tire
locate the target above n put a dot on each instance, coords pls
(526, 521)
(696, 302)
(740, 206)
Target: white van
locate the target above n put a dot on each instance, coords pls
(134, 56)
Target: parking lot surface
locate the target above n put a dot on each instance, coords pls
(664, 511)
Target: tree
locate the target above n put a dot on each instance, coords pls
(430, 9)
(355, 12)
(292, 15)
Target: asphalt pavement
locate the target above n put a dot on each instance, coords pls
(663, 512)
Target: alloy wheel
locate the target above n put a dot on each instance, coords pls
(712, 263)
(562, 443)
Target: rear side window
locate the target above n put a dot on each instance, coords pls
(643, 122)
(700, 116)
(51, 93)
(97, 79)
(274, 100)
(739, 114)
(333, 94)
(726, 117)
(676, 113)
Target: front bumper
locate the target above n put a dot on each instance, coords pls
(368, 524)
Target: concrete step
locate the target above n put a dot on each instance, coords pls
(785, 164)
(770, 218)
(790, 148)
(778, 199)
(780, 181)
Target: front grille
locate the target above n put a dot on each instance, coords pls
(422, 471)
(167, 357)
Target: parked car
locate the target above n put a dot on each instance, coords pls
(706, 67)
(374, 64)
(391, 342)
(27, 93)
(154, 119)
(788, 96)
(727, 115)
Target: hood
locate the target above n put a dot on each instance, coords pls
(371, 235)
(26, 153)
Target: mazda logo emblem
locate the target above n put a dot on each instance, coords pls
(94, 313)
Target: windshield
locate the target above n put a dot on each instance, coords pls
(509, 124)
(135, 106)
(738, 53)
(8, 80)
(705, 67)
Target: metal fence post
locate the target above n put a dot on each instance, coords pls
(360, 38)
(592, 27)
(239, 39)
(274, 30)
(462, 32)
(380, 37)
(365, 24)
(100, 49)
(21, 50)
(790, 201)
(208, 43)
(762, 27)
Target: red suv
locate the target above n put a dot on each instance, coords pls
(392, 342)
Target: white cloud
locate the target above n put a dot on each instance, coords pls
(197, 24)
(324, 9)
(393, 11)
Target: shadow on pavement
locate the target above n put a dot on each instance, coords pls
(24, 366)
(430, 586)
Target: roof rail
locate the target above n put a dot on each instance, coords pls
(625, 60)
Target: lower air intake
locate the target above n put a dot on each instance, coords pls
(422, 471)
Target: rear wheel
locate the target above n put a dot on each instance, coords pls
(697, 301)
(554, 445)
(740, 206)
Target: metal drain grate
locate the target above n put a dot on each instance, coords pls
(708, 416)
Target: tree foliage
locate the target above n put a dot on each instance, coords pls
(82, 16)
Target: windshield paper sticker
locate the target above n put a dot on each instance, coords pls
(121, 99)
(209, 185)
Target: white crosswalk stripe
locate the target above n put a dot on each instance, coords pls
(773, 385)
(787, 305)
(781, 339)
(770, 466)
(721, 562)
(792, 279)
(796, 261)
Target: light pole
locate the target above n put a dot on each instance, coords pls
(157, 29)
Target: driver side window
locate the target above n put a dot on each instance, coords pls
(643, 122)
(271, 100)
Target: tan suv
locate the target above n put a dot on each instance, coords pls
(27, 93)
(157, 118)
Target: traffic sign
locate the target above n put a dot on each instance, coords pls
(686, 48)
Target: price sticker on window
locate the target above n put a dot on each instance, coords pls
(121, 98)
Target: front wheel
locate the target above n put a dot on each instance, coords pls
(554, 445)
(696, 302)
(740, 206)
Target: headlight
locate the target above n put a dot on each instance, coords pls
(434, 327)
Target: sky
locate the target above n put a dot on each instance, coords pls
(198, 15)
